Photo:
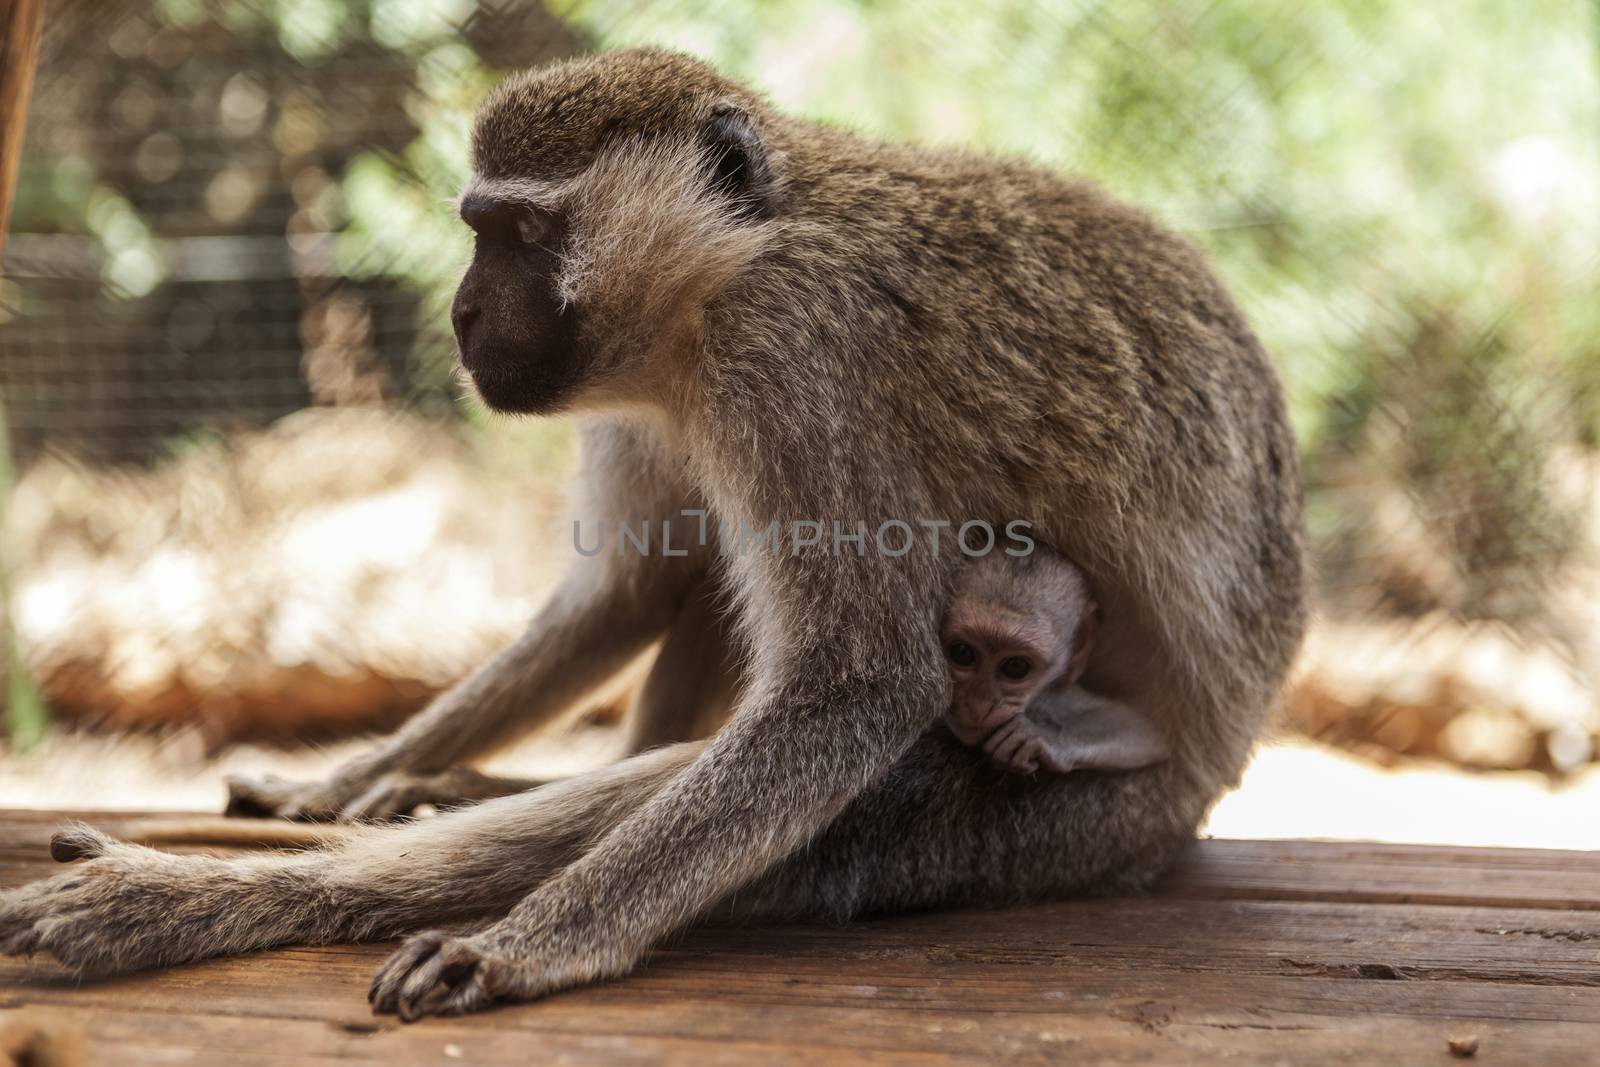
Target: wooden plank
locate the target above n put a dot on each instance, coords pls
(1263, 953)
(20, 21)
(1143, 1034)
(731, 1003)
(1356, 871)
(1099, 944)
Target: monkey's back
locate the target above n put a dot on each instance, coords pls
(1079, 366)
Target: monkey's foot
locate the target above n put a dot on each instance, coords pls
(436, 973)
(272, 797)
(126, 908)
(433, 973)
(395, 795)
(399, 794)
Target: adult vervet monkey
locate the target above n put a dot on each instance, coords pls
(778, 321)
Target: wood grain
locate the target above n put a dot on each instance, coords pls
(1258, 952)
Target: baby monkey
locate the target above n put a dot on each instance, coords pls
(1017, 636)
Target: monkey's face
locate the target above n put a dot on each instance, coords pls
(997, 662)
(607, 219)
(518, 341)
(1000, 659)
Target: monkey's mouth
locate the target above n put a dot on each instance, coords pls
(542, 388)
(974, 736)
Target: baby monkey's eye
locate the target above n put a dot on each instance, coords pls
(961, 654)
(1015, 667)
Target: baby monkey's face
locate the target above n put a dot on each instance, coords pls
(1001, 657)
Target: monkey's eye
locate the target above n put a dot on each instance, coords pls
(536, 228)
(961, 654)
(1015, 667)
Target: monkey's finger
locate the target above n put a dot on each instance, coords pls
(18, 940)
(435, 978)
(384, 993)
(1000, 741)
(457, 991)
(273, 797)
(477, 992)
(17, 916)
(1027, 757)
(1051, 761)
(23, 909)
(1005, 749)
(992, 743)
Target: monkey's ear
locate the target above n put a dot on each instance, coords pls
(738, 162)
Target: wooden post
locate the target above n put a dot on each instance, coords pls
(19, 51)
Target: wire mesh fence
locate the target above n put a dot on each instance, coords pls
(251, 499)
(186, 253)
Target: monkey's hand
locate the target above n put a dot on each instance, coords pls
(433, 973)
(527, 955)
(398, 794)
(1019, 745)
(389, 796)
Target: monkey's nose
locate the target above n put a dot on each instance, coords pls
(462, 316)
(999, 714)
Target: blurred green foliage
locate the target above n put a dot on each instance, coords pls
(1346, 161)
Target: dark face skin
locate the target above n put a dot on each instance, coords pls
(1000, 659)
(516, 340)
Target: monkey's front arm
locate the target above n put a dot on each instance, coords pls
(1076, 730)
(808, 739)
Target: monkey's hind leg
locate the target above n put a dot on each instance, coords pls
(942, 828)
(127, 906)
(946, 829)
(687, 694)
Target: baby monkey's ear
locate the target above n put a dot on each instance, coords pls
(740, 170)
